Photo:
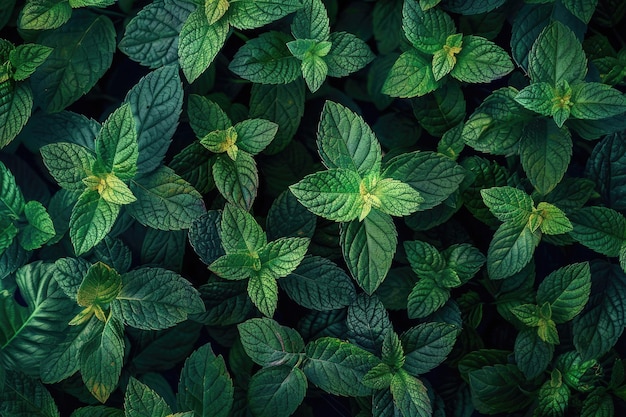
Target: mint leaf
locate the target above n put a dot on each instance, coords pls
(92, 218)
(346, 141)
(250, 14)
(607, 166)
(368, 323)
(26, 58)
(557, 56)
(425, 259)
(44, 14)
(410, 395)
(601, 229)
(427, 345)
(237, 181)
(396, 198)
(501, 382)
(581, 9)
(266, 60)
(347, 54)
(268, 343)
(235, 266)
(426, 297)
(215, 10)
(554, 221)
(165, 201)
(311, 21)
(151, 37)
(253, 135)
(532, 355)
(426, 30)
(240, 231)
(368, 247)
(205, 385)
(538, 97)
(155, 298)
(69, 164)
(508, 204)
(116, 144)
(566, 290)
(553, 395)
(40, 228)
(141, 400)
(99, 287)
(22, 396)
(410, 76)
(61, 79)
(199, 43)
(332, 194)
(480, 61)
(8, 231)
(338, 367)
(594, 101)
(511, 248)
(280, 257)
(314, 71)
(263, 291)
(206, 116)
(276, 391)
(11, 198)
(16, 103)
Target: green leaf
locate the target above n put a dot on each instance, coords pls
(444, 59)
(497, 389)
(387, 25)
(26, 58)
(268, 343)
(368, 323)
(427, 345)
(332, 194)
(410, 76)
(465, 260)
(155, 298)
(410, 395)
(276, 391)
(40, 228)
(165, 201)
(481, 61)
(607, 167)
(311, 21)
(281, 257)
(151, 36)
(141, 400)
(426, 30)
(442, 110)
(235, 266)
(368, 247)
(425, 259)
(44, 14)
(253, 135)
(319, 284)
(101, 359)
(434, 176)
(61, 79)
(347, 54)
(475, 7)
(8, 231)
(567, 290)
(511, 248)
(263, 291)
(532, 355)
(301, 221)
(314, 71)
(99, 287)
(206, 116)
(338, 367)
(11, 198)
(557, 56)
(553, 396)
(538, 97)
(251, 14)
(99, 411)
(214, 10)
(545, 152)
(16, 103)
(598, 404)
(156, 102)
(237, 181)
(345, 141)
(508, 204)
(554, 221)
(205, 386)
(426, 297)
(226, 303)
(204, 237)
(240, 231)
(68, 163)
(22, 396)
(601, 229)
(116, 144)
(199, 43)
(581, 9)
(92, 218)
(595, 101)
(266, 60)
(396, 198)
(379, 377)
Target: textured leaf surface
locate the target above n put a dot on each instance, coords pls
(22, 396)
(508, 204)
(601, 229)
(237, 181)
(92, 218)
(347, 54)
(142, 401)
(368, 323)
(496, 389)
(427, 345)
(263, 291)
(276, 391)
(410, 395)
(44, 14)
(116, 144)
(11, 198)
(26, 58)
(481, 61)
(311, 21)
(268, 343)
(250, 14)
(280, 257)
(410, 76)
(68, 163)
(240, 231)
(567, 290)
(607, 166)
(15, 108)
(426, 297)
(511, 248)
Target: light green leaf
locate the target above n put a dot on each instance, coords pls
(237, 181)
(251, 14)
(40, 228)
(538, 97)
(425, 259)
(92, 218)
(156, 102)
(427, 345)
(205, 386)
(199, 43)
(44, 14)
(426, 297)
(311, 21)
(99, 287)
(426, 30)
(140, 401)
(368, 247)
(434, 176)
(111, 188)
(26, 58)
(165, 201)
(266, 60)
(206, 116)
(319, 284)
(368, 322)
(332, 194)
(566, 290)
(276, 391)
(101, 359)
(508, 204)
(155, 298)
(21, 396)
(396, 198)
(481, 61)
(511, 248)
(545, 151)
(410, 395)
(553, 396)
(347, 54)
(263, 291)
(116, 144)
(240, 231)
(91, 3)
(554, 221)
(268, 343)
(379, 377)
(345, 141)
(282, 256)
(16, 103)
(557, 56)
(444, 60)
(253, 135)
(68, 163)
(338, 367)
(62, 79)
(411, 76)
(601, 229)
(595, 101)
(235, 266)
(11, 198)
(215, 9)
(151, 36)
(314, 71)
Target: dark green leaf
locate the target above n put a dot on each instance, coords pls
(276, 391)
(599, 228)
(250, 14)
(427, 345)
(348, 54)
(426, 297)
(567, 290)
(16, 103)
(532, 355)
(92, 218)
(44, 14)
(410, 395)
(511, 248)
(607, 167)
(496, 389)
(269, 344)
(25, 397)
(368, 323)
(140, 400)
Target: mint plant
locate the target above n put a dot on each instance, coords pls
(274, 208)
